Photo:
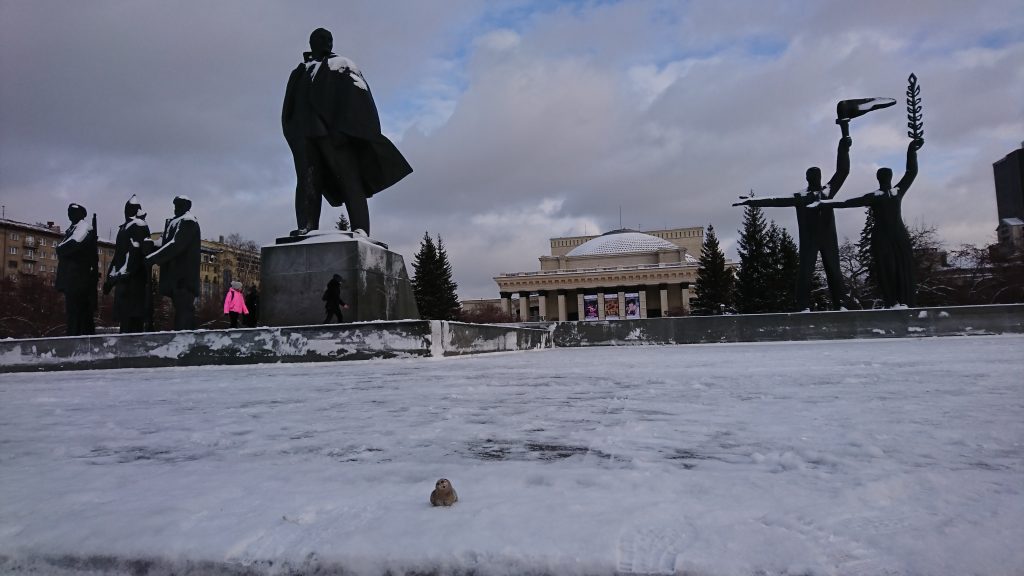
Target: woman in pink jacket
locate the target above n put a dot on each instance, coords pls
(234, 303)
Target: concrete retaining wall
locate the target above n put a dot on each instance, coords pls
(261, 345)
(410, 338)
(946, 321)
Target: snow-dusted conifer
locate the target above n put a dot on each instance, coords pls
(715, 282)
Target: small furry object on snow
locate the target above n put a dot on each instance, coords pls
(443, 494)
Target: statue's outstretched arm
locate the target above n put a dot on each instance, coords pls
(842, 166)
(175, 246)
(904, 184)
(865, 200)
(770, 201)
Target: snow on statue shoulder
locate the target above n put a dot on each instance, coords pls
(346, 66)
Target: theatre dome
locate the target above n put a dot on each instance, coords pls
(623, 241)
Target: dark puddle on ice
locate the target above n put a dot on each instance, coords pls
(129, 454)
(493, 450)
(268, 403)
(687, 458)
(149, 566)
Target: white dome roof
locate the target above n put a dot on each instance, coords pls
(621, 242)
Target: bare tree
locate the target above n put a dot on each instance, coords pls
(246, 254)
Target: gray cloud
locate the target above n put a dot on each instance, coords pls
(521, 120)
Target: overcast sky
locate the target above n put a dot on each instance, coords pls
(522, 120)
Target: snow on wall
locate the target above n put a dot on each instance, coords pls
(408, 338)
(949, 321)
(361, 340)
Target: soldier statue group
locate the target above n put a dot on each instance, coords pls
(128, 277)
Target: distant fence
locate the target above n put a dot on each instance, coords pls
(915, 322)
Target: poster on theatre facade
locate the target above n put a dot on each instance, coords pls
(611, 306)
(590, 307)
(632, 305)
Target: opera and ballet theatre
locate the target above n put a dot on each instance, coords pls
(620, 274)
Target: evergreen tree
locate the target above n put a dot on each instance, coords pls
(790, 269)
(869, 295)
(753, 282)
(784, 258)
(424, 282)
(715, 282)
(342, 223)
(821, 298)
(447, 298)
(433, 285)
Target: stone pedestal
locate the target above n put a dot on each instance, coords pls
(294, 275)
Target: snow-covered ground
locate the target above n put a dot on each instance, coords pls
(900, 456)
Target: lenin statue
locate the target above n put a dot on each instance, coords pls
(330, 122)
(78, 272)
(178, 258)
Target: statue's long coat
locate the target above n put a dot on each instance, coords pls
(178, 255)
(338, 101)
(77, 260)
(128, 270)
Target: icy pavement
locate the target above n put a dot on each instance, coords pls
(855, 457)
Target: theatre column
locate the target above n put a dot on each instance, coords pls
(600, 305)
(685, 294)
(542, 305)
(562, 313)
(579, 306)
(664, 299)
(506, 303)
(524, 306)
(643, 302)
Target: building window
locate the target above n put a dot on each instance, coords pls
(30, 267)
(30, 239)
(12, 264)
(14, 236)
(13, 250)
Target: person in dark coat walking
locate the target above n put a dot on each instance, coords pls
(331, 124)
(891, 248)
(78, 272)
(332, 300)
(817, 227)
(128, 275)
(178, 258)
(253, 301)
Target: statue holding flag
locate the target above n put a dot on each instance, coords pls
(891, 249)
(816, 222)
